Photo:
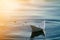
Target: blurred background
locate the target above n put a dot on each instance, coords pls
(13, 10)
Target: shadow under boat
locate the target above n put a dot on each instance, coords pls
(36, 32)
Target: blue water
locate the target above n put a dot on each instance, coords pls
(52, 17)
(52, 29)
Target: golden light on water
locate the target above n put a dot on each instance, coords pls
(9, 9)
(12, 7)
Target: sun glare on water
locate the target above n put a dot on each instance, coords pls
(10, 8)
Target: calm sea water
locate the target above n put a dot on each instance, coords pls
(52, 16)
(50, 11)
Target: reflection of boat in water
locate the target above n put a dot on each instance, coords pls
(38, 31)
